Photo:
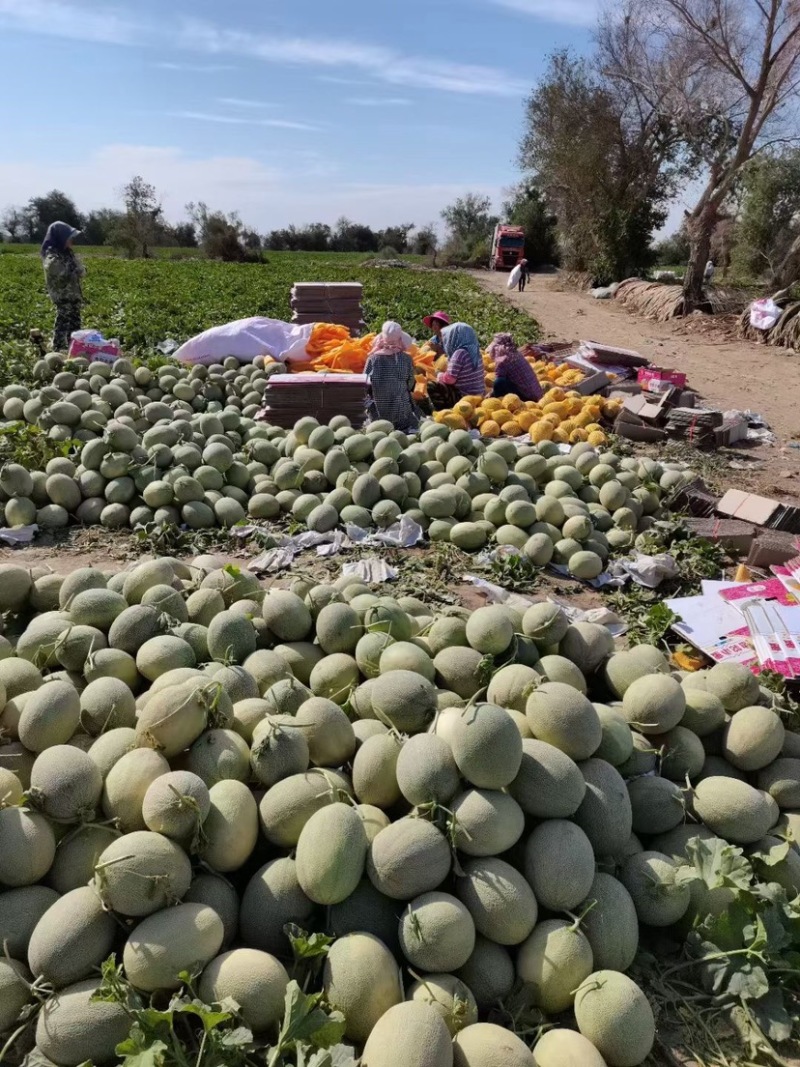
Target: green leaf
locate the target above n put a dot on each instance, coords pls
(152, 1018)
(307, 946)
(153, 1056)
(771, 1015)
(305, 1021)
(719, 864)
(210, 1019)
(748, 981)
(241, 1037)
(772, 856)
(770, 936)
(337, 1056)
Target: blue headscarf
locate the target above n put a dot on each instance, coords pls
(55, 240)
(459, 335)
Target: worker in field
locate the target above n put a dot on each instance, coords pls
(464, 375)
(437, 322)
(513, 373)
(63, 273)
(390, 373)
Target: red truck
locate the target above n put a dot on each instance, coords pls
(508, 247)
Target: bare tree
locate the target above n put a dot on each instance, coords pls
(142, 223)
(723, 76)
(16, 223)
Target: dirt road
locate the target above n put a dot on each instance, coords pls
(728, 374)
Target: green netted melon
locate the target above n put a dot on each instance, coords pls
(615, 1016)
(658, 894)
(552, 962)
(564, 718)
(654, 704)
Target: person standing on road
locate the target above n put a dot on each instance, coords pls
(63, 273)
(524, 275)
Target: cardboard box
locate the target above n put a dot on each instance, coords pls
(594, 383)
(620, 390)
(633, 432)
(772, 549)
(747, 506)
(610, 354)
(761, 510)
(733, 535)
(656, 379)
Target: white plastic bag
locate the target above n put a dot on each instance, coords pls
(764, 313)
(246, 339)
(514, 276)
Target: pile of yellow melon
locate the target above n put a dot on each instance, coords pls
(562, 416)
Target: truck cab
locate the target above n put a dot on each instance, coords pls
(508, 247)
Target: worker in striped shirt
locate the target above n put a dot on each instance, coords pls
(513, 373)
(464, 375)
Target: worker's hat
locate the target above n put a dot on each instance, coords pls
(437, 316)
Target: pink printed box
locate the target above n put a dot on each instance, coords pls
(659, 379)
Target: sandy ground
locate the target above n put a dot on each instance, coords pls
(728, 373)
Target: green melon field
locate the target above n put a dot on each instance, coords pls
(144, 302)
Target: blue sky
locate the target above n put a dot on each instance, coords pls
(285, 111)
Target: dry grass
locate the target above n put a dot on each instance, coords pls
(571, 279)
(654, 300)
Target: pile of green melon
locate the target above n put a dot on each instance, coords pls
(470, 804)
(184, 447)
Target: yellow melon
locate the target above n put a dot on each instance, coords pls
(597, 439)
(542, 431)
(559, 436)
(491, 403)
(454, 421)
(511, 428)
(490, 428)
(512, 402)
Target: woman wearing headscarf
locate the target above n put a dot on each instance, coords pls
(63, 272)
(390, 373)
(464, 375)
(513, 373)
(437, 322)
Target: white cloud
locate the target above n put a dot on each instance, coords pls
(334, 79)
(236, 101)
(383, 64)
(295, 187)
(80, 20)
(58, 18)
(378, 101)
(193, 68)
(238, 120)
(567, 12)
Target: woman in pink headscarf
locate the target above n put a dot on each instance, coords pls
(391, 379)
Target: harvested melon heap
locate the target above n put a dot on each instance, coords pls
(183, 446)
(562, 416)
(193, 768)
